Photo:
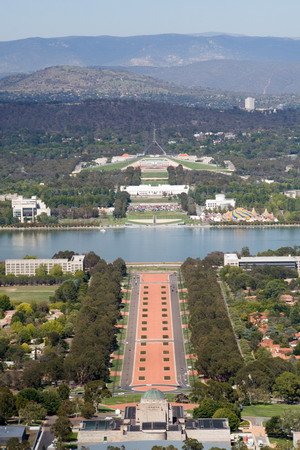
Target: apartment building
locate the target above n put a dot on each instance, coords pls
(29, 266)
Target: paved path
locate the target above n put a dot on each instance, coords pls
(180, 358)
(128, 362)
(154, 348)
(258, 430)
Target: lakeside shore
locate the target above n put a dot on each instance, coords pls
(149, 225)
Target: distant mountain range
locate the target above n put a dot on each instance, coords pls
(258, 65)
(163, 50)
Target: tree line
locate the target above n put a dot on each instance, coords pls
(95, 338)
(212, 336)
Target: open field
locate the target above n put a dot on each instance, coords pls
(280, 441)
(116, 166)
(130, 398)
(198, 166)
(162, 174)
(268, 410)
(29, 293)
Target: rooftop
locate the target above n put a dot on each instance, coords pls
(153, 394)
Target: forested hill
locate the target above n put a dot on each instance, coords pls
(73, 84)
(135, 116)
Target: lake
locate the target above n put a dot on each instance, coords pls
(145, 244)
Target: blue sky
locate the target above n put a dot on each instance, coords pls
(51, 18)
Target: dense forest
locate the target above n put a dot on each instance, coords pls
(132, 116)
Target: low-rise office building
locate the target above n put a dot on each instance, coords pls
(295, 193)
(29, 267)
(232, 259)
(12, 431)
(27, 209)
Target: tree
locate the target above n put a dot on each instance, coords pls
(50, 400)
(5, 302)
(15, 444)
(32, 411)
(274, 427)
(56, 271)
(32, 375)
(67, 408)
(290, 421)
(192, 444)
(245, 251)
(207, 408)
(91, 259)
(87, 410)
(41, 271)
(95, 391)
(61, 428)
(7, 404)
(274, 288)
(233, 419)
(63, 254)
(287, 386)
(63, 391)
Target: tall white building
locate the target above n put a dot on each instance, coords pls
(220, 202)
(29, 266)
(28, 208)
(250, 104)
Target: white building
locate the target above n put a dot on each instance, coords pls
(250, 104)
(146, 190)
(220, 202)
(293, 194)
(232, 259)
(29, 266)
(28, 208)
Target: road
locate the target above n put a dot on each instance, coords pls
(180, 360)
(258, 430)
(46, 437)
(128, 362)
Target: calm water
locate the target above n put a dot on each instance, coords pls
(145, 244)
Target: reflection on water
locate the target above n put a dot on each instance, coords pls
(145, 244)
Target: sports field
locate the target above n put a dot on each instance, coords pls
(29, 293)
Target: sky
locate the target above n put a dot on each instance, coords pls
(21, 19)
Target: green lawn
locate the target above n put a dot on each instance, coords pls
(116, 365)
(163, 174)
(29, 293)
(197, 166)
(116, 166)
(130, 398)
(280, 441)
(267, 410)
